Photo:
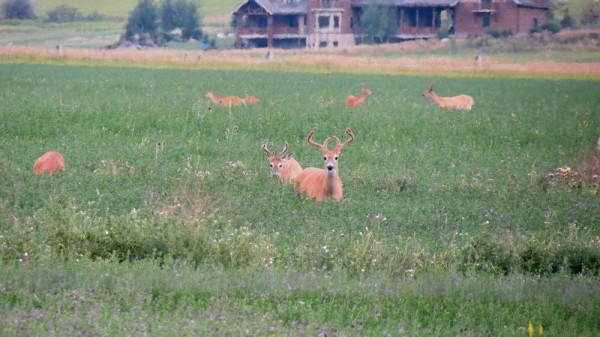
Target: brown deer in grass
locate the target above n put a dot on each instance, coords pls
(461, 102)
(49, 163)
(320, 184)
(251, 100)
(283, 165)
(224, 101)
(353, 101)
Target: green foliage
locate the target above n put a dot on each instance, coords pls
(143, 19)
(591, 14)
(18, 9)
(499, 33)
(378, 23)
(181, 14)
(64, 13)
(568, 21)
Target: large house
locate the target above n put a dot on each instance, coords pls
(336, 23)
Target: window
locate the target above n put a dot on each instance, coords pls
(336, 21)
(323, 44)
(486, 21)
(535, 22)
(293, 21)
(323, 21)
(262, 22)
(336, 43)
(245, 21)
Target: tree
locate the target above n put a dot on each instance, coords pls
(379, 23)
(181, 14)
(142, 19)
(18, 9)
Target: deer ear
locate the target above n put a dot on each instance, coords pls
(288, 156)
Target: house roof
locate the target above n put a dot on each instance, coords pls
(299, 7)
(535, 4)
(407, 3)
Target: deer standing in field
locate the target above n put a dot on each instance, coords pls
(353, 101)
(320, 184)
(461, 102)
(251, 100)
(224, 101)
(284, 165)
(49, 163)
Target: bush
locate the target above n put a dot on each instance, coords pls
(568, 21)
(551, 27)
(64, 13)
(18, 9)
(484, 253)
(143, 19)
(499, 33)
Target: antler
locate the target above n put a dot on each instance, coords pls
(341, 145)
(313, 143)
(284, 149)
(264, 148)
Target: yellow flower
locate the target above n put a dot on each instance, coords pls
(541, 329)
(530, 329)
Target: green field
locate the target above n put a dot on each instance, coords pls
(166, 221)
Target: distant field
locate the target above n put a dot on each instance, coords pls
(122, 8)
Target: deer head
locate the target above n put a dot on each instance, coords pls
(276, 162)
(429, 91)
(331, 156)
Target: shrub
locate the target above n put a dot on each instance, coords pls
(18, 9)
(499, 33)
(64, 13)
(484, 253)
(142, 19)
(568, 21)
(551, 27)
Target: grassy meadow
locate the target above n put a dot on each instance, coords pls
(166, 221)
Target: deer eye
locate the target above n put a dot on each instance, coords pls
(336, 158)
(324, 158)
(271, 165)
(280, 165)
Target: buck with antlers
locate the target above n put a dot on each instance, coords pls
(224, 101)
(319, 183)
(353, 101)
(461, 102)
(284, 165)
(49, 163)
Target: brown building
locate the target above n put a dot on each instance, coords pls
(333, 23)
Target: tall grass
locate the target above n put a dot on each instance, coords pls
(157, 176)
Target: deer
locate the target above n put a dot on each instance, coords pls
(461, 102)
(284, 165)
(49, 163)
(353, 101)
(250, 100)
(224, 101)
(320, 184)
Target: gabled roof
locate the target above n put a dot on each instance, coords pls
(546, 4)
(407, 3)
(299, 7)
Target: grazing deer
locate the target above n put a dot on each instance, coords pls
(284, 165)
(224, 101)
(49, 163)
(251, 100)
(352, 101)
(323, 183)
(461, 102)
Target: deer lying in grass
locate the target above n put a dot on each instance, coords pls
(284, 165)
(353, 101)
(49, 163)
(319, 183)
(251, 100)
(224, 101)
(461, 102)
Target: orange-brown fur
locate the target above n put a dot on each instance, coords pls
(461, 102)
(225, 101)
(353, 101)
(251, 100)
(284, 165)
(320, 184)
(49, 163)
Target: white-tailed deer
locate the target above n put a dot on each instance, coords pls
(49, 163)
(319, 183)
(353, 101)
(251, 100)
(284, 165)
(461, 102)
(224, 101)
